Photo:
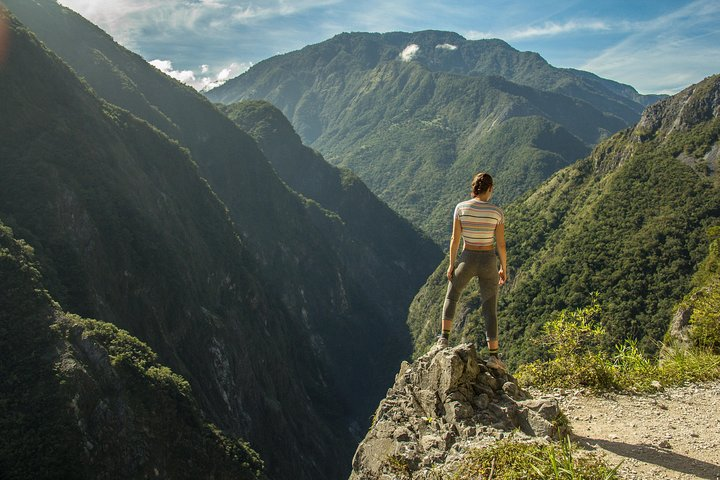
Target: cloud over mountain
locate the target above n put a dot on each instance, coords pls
(409, 52)
(203, 83)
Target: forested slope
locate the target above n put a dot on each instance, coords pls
(628, 222)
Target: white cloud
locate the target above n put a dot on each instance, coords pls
(249, 12)
(409, 52)
(547, 29)
(213, 3)
(446, 46)
(476, 35)
(165, 66)
(203, 83)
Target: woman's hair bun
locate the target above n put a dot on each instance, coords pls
(481, 183)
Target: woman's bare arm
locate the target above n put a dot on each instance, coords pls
(502, 253)
(454, 245)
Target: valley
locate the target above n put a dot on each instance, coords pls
(225, 284)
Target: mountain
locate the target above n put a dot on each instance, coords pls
(175, 227)
(83, 399)
(126, 230)
(415, 115)
(628, 222)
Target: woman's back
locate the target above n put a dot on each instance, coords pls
(479, 220)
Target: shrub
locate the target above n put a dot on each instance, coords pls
(679, 365)
(578, 361)
(573, 338)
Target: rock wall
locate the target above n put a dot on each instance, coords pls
(445, 404)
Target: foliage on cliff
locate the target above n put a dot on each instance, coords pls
(82, 398)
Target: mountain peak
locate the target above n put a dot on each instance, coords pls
(442, 406)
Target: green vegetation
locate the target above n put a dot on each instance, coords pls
(705, 319)
(124, 351)
(510, 460)
(397, 466)
(37, 432)
(574, 341)
(704, 300)
(628, 222)
(417, 131)
(77, 393)
(126, 230)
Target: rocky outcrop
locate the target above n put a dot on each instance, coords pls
(443, 405)
(696, 104)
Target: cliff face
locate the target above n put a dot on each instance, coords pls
(84, 399)
(266, 302)
(696, 104)
(126, 231)
(442, 406)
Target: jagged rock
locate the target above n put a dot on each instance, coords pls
(680, 324)
(679, 331)
(697, 103)
(444, 404)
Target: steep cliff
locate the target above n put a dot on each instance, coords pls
(287, 321)
(126, 231)
(83, 399)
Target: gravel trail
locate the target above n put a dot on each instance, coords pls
(670, 435)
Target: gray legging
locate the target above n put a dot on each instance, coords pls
(483, 265)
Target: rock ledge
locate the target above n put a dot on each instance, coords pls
(443, 405)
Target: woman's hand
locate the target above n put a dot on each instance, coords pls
(503, 276)
(451, 270)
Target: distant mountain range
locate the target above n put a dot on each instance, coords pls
(416, 114)
(629, 222)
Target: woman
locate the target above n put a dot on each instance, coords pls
(481, 226)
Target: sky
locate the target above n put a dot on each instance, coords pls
(657, 46)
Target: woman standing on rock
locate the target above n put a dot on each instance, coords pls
(482, 228)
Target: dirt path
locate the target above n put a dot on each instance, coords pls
(674, 434)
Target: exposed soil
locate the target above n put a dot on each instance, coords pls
(673, 434)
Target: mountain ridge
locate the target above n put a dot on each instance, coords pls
(412, 125)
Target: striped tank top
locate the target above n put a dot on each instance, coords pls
(478, 220)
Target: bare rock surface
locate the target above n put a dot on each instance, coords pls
(444, 404)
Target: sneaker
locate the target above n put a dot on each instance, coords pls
(442, 342)
(496, 363)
